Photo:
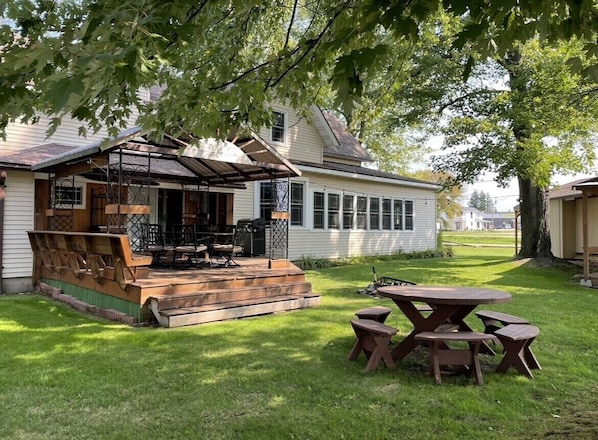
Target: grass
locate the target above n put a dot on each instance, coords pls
(64, 375)
(501, 237)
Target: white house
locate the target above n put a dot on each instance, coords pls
(469, 219)
(337, 206)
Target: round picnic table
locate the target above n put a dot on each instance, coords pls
(450, 305)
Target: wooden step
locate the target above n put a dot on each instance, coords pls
(233, 310)
(218, 296)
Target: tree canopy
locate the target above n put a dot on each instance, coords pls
(223, 62)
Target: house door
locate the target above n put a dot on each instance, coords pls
(170, 208)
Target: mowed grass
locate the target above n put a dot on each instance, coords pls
(502, 237)
(64, 375)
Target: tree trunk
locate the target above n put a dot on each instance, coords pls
(535, 234)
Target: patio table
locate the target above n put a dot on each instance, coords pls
(450, 304)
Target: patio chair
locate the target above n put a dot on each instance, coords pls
(227, 251)
(153, 242)
(188, 246)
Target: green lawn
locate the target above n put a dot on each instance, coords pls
(64, 375)
(502, 237)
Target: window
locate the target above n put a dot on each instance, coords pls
(278, 133)
(297, 204)
(362, 212)
(374, 213)
(347, 212)
(398, 214)
(319, 210)
(408, 210)
(69, 196)
(386, 214)
(333, 211)
(266, 200)
(403, 215)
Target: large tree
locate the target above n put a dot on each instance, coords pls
(530, 119)
(223, 62)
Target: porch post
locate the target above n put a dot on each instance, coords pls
(586, 250)
(279, 224)
(2, 196)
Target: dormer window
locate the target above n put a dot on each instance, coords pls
(278, 133)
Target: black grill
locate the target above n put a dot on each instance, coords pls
(251, 234)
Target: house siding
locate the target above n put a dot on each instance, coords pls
(331, 243)
(306, 241)
(21, 136)
(17, 257)
(303, 141)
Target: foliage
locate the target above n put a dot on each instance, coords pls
(222, 63)
(482, 201)
(447, 197)
(309, 262)
(65, 375)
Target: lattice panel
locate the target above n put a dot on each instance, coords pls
(279, 239)
(60, 223)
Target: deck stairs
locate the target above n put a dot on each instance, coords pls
(232, 299)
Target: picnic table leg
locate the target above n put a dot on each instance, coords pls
(421, 323)
(458, 319)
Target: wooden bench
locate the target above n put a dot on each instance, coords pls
(375, 313)
(373, 338)
(516, 340)
(494, 320)
(441, 354)
(104, 256)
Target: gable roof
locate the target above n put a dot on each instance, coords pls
(348, 146)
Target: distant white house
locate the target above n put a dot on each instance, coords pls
(470, 219)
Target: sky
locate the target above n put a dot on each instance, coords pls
(506, 198)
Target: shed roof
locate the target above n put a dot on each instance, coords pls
(572, 190)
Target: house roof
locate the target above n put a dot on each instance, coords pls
(366, 172)
(211, 161)
(24, 159)
(348, 146)
(572, 190)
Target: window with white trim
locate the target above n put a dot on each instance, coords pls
(386, 214)
(403, 215)
(319, 209)
(361, 213)
(266, 201)
(347, 212)
(408, 212)
(278, 130)
(334, 201)
(297, 203)
(397, 208)
(374, 213)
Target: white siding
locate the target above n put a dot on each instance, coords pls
(303, 140)
(318, 243)
(244, 202)
(339, 243)
(21, 136)
(18, 218)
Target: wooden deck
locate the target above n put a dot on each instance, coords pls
(180, 296)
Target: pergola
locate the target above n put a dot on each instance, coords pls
(137, 160)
